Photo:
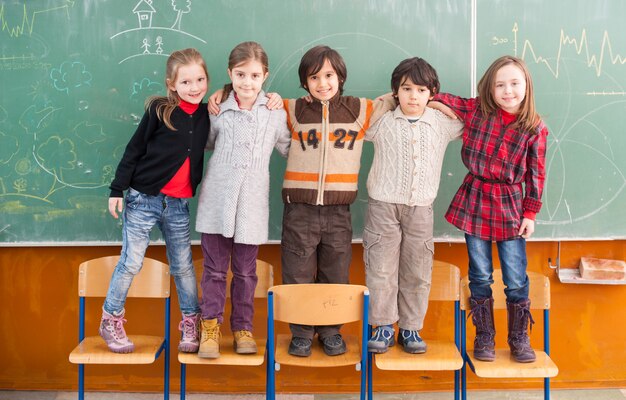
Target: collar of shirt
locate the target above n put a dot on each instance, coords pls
(189, 108)
(231, 102)
(428, 117)
(507, 118)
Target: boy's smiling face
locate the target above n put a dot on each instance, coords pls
(324, 84)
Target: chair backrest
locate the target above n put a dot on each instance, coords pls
(318, 303)
(445, 282)
(264, 272)
(153, 281)
(539, 293)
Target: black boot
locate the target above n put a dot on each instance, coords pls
(482, 317)
(519, 342)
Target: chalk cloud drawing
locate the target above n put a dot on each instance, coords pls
(145, 88)
(90, 133)
(70, 75)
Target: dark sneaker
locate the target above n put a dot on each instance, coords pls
(300, 347)
(382, 338)
(411, 341)
(333, 345)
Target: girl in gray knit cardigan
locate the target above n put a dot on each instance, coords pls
(233, 208)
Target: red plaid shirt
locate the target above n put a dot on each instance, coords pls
(491, 202)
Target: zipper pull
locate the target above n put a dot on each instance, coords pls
(325, 109)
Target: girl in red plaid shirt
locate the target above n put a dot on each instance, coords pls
(504, 145)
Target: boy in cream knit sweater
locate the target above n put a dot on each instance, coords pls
(409, 145)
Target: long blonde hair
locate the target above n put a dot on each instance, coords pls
(242, 53)
(167, 104)
(527, 117)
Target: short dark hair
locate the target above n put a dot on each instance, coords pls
(313, 60)
(418, 71)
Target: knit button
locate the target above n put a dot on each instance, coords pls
(188, 149)
(190, 131)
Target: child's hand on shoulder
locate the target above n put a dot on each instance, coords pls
(527, 228)
(308, 98)
(443, 108)
(115, 205)
(274, 102)
(214, 100)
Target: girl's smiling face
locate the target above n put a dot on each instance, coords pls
(247, 79)
(509, 88)
(191, 83)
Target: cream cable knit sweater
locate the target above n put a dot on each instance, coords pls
(408, 156)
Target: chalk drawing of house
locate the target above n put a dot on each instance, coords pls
(144, 11)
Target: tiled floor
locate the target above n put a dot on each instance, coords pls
(599, 394)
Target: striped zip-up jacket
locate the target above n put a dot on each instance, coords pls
(326, 145)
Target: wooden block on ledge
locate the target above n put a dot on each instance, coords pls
(601, 269)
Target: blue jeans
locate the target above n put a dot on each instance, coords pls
(140, 214)
(512, 255)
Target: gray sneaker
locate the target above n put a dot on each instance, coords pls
(411, 341)
(189, 342)
(113, 333)
(383, 337)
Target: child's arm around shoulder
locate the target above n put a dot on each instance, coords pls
(381, 105)
(449, 127)
(460, 106)
(214, 129)
(283, 133)
(382, 125)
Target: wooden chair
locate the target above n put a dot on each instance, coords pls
(504, 365)
(265, 274)
(442, 354)
(153, 281)
(316, 304)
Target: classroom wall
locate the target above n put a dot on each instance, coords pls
(39, 328)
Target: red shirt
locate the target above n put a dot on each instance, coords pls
(180, 184)
(506, 172)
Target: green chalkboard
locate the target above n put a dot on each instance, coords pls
(75, 74)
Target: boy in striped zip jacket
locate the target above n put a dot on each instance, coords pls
(321, 182)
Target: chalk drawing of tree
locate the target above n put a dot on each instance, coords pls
(57, 154)
(181, 7)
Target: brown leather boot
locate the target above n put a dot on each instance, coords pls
(482, 317)
(519, 342)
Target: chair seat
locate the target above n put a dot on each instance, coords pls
(440, 356)
(93, 350)
(318, 358)
(505, 366)
(227, 355)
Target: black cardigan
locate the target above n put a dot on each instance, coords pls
(155, 153)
